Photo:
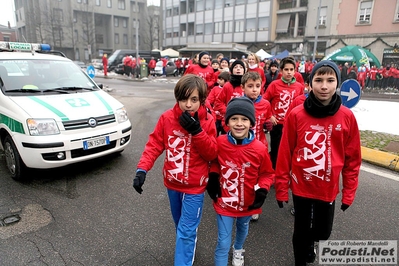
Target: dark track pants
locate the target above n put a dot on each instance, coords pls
(313, 222)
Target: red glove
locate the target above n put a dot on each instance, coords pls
(268, 125)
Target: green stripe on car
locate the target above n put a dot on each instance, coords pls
(12, 124)
(104, 102)
(50, 107)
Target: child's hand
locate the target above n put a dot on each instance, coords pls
(260, 196)
(189, 123)
(268, 125)
(213, 186)
(280, 203)
(138, 181)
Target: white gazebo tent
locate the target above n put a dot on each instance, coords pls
(170, 53)
(263, 54)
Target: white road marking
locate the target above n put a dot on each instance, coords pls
(377, 172)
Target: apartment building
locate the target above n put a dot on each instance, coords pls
(204, 24)
(83, 29)
(306, 28)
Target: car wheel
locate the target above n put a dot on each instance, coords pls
(14, 162)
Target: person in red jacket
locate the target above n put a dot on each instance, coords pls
(280, 94)
(253, 65)
(202, 69)
(105, 64)
(151, 66)
(320, 143)
(187, 134)
(231, 89)
(239, 179)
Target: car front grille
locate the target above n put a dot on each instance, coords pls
(84, 123)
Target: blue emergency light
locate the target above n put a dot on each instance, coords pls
(28, 47)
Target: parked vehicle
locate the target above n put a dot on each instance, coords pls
(52, 113)
(170, 69)
(97, 63)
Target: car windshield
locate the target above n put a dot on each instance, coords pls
(42, 75)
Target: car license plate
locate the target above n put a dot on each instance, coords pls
(93, 143)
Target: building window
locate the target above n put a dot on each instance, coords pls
(124, 22)
(169, 33)
(228, 26)
(116, 38)
(365, 11)
(125, 39)
(199, 29)
(240, 2)
(136, 24)
(75, 16)
(99, 38)
(98, 2)
(239, 25)
(121, 4)
(169, 12)
(200, 5)
(116, 22)
(58, 15)
(208, 28)
(218, 27)
(218, 4)
(397, 12)
(85, 35)
(229, 3)
(109, 3)
(6, 38)
(263, 23)
(323, 16)
(209, 4)
(175, 32)
(251, 24)
(175, 11)
(76, 35)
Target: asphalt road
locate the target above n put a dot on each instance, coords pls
(89, 214)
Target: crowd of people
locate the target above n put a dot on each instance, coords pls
(240, 127)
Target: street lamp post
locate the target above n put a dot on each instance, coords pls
(317, 32)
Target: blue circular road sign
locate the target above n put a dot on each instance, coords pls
(91, 71)
(350, 93)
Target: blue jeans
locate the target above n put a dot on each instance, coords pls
(225, 228)
(186, 212)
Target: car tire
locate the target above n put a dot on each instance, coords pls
(15, 165)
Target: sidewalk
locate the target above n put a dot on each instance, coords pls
(378, 148)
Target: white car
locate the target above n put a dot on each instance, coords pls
(170, 69)
(97, 63)
(52, 113)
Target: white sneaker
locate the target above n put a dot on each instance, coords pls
(255, 217)
(238, 257)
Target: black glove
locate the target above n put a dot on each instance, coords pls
(189, 123)
(213, 186)
(138, 181)
(344, 207)
(260, 196)
(280, 203)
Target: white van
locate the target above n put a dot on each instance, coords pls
(52, 113)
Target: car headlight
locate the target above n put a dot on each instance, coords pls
(42, 127)
(121, 115)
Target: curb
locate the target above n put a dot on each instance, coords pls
(384, 159)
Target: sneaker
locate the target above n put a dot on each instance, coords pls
(255, 217)
(238, 257)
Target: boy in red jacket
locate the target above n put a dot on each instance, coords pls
(280, 94)
(239, 179)
(320, 142)
(187, 134)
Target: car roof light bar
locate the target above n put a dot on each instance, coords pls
(27, 47)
